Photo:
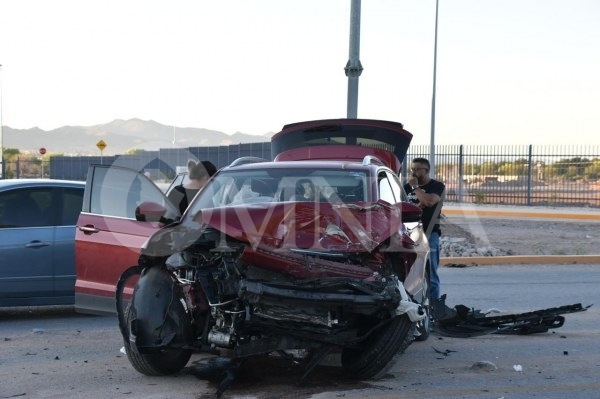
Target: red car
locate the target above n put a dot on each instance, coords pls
(108, 237)
(316, 248)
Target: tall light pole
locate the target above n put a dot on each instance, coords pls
(3, 169)
(353, 68)
(432, 141)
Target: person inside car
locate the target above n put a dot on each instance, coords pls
(305, 190)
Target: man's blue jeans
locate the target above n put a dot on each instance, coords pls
(434, 260)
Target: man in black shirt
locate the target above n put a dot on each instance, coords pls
(428, 194)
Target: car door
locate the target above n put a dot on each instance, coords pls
(26, 246)
(66, 207)
(180, 179)
(108, 236)
(390, 189)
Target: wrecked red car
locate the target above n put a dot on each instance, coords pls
(316, 250)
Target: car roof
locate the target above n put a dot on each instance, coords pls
(7, 184)
(310, 165)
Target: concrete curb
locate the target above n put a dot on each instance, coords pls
(519, 214)
(470, 212)
(520, 259)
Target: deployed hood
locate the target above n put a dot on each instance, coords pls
(320, 226)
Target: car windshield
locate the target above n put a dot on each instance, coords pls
(234, 187)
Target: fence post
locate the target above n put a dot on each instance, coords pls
(18, 169)
(529, 172)
(459, 194)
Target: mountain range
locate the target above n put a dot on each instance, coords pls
(119, 137)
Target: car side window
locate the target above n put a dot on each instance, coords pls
(180, 179)
(26, 208)
(71, 206)
(386, 192)
(396, 187)
(117, 192)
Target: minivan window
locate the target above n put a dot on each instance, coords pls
(26, 207)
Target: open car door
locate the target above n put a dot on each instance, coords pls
(108, 236)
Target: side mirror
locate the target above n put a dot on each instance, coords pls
(410, 212)
(150, 212)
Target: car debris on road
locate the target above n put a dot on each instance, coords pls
(462, 321)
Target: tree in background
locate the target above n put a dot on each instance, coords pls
(134, 151)
(26, 165)
(570, 168)
(10, 155)
(592, 171)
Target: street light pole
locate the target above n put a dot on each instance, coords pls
(3, 168)
(354, 68)
(432, 141)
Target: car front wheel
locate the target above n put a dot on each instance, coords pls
(163, 362)
(380, 351)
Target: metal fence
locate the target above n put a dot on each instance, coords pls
(518, 175)
(160, 164)
(26, 168)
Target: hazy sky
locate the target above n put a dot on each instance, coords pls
(509, 71)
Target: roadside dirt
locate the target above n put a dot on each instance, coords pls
(526, 236)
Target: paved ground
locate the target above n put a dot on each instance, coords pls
(78, 356)
(63, 355)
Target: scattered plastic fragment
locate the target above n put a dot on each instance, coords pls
(518, 367)
(492, 310)
(462, 321)
(445, 352)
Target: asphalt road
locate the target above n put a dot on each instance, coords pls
(57, 354)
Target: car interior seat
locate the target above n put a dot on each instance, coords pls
(262, 188)
(351, 193)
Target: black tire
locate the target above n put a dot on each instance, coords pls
(165, 362)
(122, 305)
(424, 326)
(380, 350)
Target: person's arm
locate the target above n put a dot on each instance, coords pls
(427, 200)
